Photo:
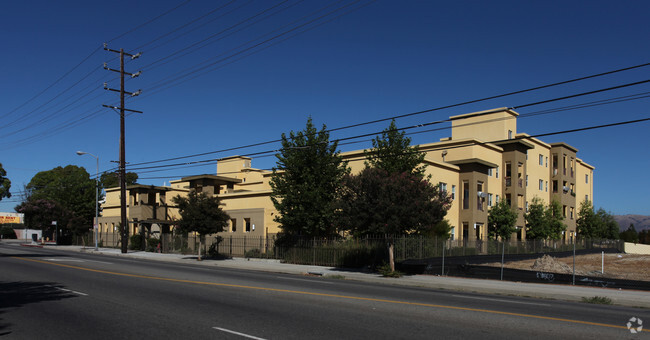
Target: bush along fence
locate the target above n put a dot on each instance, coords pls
(350, 252)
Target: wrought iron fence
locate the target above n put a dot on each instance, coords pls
(367, 250)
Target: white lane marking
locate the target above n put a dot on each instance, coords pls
(237, 333)
(502, 300)
(306, 280)
(67, 290)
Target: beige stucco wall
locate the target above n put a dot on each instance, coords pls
(637, 248)
(584, 182)
(467, 155)
(489, 128)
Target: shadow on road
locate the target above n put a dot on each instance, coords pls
(18, 294)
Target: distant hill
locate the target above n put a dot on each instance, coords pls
(640, 221)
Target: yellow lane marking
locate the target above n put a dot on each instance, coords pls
(329, 295)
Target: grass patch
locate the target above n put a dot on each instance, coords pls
(386, 272)
(598, 300)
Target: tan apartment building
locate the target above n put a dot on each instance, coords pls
(483, 161)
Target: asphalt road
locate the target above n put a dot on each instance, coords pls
(49, 294)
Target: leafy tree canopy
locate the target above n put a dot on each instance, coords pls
(536, 223)
(630, 235)
(112, 179)
(5, 184)
(378, 202)
(40, 213)
(200, 213)
(544, 222)
(393, 152)
(599, 224)
(501, 220)
(306, 183)
(71, 188)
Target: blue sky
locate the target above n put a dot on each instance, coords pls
(367, 61)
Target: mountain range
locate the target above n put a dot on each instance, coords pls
(640, 221)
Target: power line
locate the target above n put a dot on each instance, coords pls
(445, 147)
(435, 109)
(149, 21)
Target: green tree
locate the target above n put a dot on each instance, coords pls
(588, 224)
(306, 184)
(112, 179)
(644, 236)
(441, 229)
(501, 220)
(70, 187)
(554, 218)
(610, 228)
(630, 235)
(202, 214)
(5, 184)
(40, 213)
(544, 222)
(536, 220)
(377, 202)
(393, 152)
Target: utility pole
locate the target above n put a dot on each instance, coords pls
(122, 166)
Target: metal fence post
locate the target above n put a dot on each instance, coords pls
(443, 257)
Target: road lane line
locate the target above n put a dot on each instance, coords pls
(238, 333)
(67, 290)
(501, 300)
(421, 304)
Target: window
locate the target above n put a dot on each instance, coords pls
(520, 201)
(546, 186)
(247, 223)
(546, 162)
(526, 180)
(526, 206)
(480, 199)
(571, 212)
(233, 225)
(541, 159)
(490, 172)
(509, 134)
(489, 200)
(443, 186)
(554, 186)
(453, 232)
(564, 211)
(587, 178)
(453, 192)
(541, 185)
(496, 199)
(465, 195)
(586, 197)
(497, 172)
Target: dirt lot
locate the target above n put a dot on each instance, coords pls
(620, 266)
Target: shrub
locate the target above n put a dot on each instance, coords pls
(152, 244)
(135, 242)
(599, 300)
(7, 232)
(255, 253)
(385, 271)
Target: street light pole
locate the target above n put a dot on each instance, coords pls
(95, 224)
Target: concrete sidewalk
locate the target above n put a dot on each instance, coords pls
(631, 298)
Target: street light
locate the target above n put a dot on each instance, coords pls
(95, 227)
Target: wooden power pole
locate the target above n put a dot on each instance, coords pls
(122, 167)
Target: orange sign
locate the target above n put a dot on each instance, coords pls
(9, 219)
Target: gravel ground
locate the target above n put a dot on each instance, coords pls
(619, 266)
